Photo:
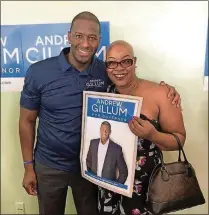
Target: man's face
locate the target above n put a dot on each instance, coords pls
(123, 73)
(105, 132)
(84, 39)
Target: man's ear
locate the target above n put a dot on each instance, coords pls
(69, 37)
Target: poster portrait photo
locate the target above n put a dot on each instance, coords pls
(105, 157)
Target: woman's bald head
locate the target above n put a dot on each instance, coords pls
(121, 46)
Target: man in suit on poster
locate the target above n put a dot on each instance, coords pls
(105, 157)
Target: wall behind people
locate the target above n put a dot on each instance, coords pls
(169, 39)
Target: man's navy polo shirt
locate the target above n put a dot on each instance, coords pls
(55, 89)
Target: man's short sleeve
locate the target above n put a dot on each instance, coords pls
(30, 95)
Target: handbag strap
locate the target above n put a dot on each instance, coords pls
(179, 159)
(180, 149)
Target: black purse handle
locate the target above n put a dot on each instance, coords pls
(180, 149)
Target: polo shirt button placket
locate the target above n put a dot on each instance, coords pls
(80, 83)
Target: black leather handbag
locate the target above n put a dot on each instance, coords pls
(173, 186)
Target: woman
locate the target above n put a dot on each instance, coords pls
(158, 118)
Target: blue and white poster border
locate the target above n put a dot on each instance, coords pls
(117, 110)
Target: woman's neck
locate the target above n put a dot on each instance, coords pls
(130, 89)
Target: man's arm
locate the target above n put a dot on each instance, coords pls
(27, 124)
(122, 167)
(176, 99)
(89, 158)
(29, 107)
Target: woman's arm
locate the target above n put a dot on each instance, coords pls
(167, 142)
(171, 121)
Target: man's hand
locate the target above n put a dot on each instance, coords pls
(30, 182)
(172, 93)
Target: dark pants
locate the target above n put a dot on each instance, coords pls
(52, 186)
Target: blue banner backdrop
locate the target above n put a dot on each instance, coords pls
(23, 45)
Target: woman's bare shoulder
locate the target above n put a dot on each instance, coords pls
(154, 88)
(151, 85)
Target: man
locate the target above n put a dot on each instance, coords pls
(106, 157)
(52, 92)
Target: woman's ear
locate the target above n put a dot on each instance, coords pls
(135, 59)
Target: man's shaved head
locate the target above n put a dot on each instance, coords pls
(84, 38)
(86, 15)
(121, 43)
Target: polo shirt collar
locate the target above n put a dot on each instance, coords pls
(64, 64)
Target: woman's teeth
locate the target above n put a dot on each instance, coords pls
(120, 76)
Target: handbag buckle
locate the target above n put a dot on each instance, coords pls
(164, 174)
(189, 170)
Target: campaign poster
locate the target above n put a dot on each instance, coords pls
(108, 147)
(23, 45)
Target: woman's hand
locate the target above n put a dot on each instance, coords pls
(142, 128)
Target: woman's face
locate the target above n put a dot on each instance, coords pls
(120, 64)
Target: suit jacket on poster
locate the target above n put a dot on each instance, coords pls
(114, 160)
